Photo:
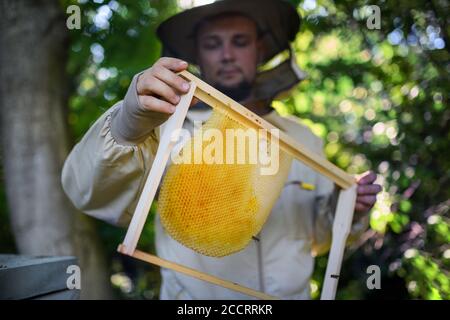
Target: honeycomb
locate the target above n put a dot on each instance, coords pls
(215, 209)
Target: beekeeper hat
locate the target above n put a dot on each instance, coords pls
(277, 21)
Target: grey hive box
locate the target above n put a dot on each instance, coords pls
(28, 277)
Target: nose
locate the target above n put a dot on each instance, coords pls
(227, 52)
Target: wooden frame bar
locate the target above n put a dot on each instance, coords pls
(341, 229)
(217, 100)
(150, 258)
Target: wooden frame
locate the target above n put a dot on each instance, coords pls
(345, 182)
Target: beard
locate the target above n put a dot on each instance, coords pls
(238, 92)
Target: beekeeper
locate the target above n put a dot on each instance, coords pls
(105, 172)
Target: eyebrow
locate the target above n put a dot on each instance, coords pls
(216, 36)
(209, 36)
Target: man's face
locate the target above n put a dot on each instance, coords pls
(227, 52)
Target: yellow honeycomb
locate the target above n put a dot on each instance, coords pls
(215, 209)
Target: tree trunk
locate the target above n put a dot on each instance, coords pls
(34, 140)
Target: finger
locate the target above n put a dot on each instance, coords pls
(171, 79)
(154, 104)
(368, 189)
(367, 177)
(361, 208)
(173, 64)
(369, 200)
(154, 86)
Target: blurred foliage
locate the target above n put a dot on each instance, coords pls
(378, 98)
(117, 40)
